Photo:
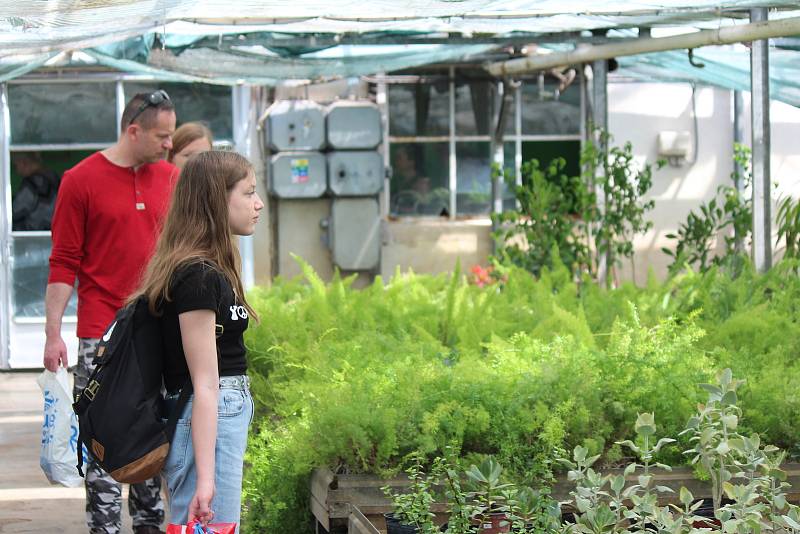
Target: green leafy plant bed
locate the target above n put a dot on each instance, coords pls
(518, 368)
(337, 492)
(749, 473)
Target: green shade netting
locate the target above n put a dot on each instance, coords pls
(35, 26)
(723, 67)
(265, 42)
(228, 68)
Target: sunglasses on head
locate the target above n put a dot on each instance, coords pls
(153, 99)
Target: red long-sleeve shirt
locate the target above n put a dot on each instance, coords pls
(105, 225)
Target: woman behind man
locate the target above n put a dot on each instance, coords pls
(193, 281)
(189, 139)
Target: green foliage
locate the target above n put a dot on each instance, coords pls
(355, 380)
(623, 184)
(610, 504)
(559, 219)
(788, 222)
(730, 213)
(488, 491)
(413, 507)
(471, 497)
(551, 216)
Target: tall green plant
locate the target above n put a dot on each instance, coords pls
(713, 431)
(788, 221)
(413, 506)
(623, 183)
(561, 213)
(551, 216)
(730, 212)
(487, 489)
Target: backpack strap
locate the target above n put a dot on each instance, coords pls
(79, 449)
(80, 405)
(183, 398)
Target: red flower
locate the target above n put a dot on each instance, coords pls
(481, 277)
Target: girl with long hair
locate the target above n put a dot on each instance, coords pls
(193, 283)
(189, 139)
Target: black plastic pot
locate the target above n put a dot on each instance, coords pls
(706, 511)
(395, 526)
(496, 523)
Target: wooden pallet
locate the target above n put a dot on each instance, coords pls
(336, 499)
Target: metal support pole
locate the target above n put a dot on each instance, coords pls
(5, 230)
(759, 90)
(738, 136)
(120, 90)
(384, 148)
(453, 174)
(518, 140)
(600, 124)
(600, 94)
(498, 156)
(739, 170)
(506, 96)
(243, 127)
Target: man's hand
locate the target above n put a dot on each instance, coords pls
(55, 301)
(55, 353)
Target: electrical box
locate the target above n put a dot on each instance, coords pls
(353, 125)
(298, 175)
(355, 173)
(296, 125)
(355, 236)
(672, 144)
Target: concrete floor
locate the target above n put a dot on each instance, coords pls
(28, 503)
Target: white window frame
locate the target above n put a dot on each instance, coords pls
(6, 149)
(453, 138)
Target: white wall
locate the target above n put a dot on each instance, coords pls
(638, 111)
(431, 246)
(422, 245)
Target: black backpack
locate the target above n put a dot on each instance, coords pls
(121, 410)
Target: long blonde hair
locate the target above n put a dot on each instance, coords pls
(197, 228)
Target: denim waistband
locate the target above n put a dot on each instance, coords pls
(234, 382)
(241, 382)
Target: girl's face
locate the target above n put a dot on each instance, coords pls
(200, 144)
(244, 205)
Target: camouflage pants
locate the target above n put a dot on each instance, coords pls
(103, 493)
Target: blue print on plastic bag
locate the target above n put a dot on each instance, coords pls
(49, 423)
(56, 457)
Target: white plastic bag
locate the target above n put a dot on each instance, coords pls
(58, 456)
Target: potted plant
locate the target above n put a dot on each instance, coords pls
(488, 493)
(412, 508)
(743, 470)
(533, 511)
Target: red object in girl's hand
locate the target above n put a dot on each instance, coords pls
(193, 527)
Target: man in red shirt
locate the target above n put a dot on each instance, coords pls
(108, 215)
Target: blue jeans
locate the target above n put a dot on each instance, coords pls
(234, 413)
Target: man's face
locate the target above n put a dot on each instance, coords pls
(152, 144)
(23, 166)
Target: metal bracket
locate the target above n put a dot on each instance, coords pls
(693, 62)
(325, 237)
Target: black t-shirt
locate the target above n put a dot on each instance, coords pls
(199, 286)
